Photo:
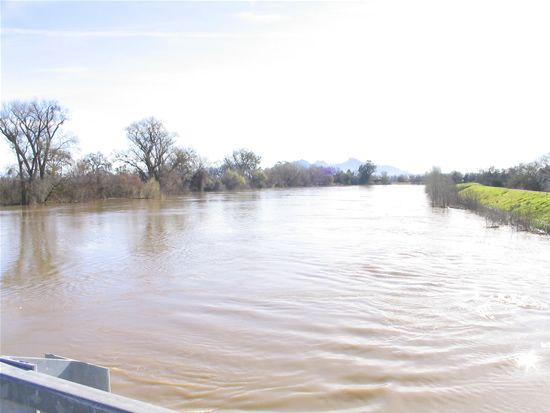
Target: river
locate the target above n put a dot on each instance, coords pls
(340, 299)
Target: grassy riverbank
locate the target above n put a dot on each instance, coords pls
(526, 209)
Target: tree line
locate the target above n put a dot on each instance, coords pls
(533, 176)
(151, 166)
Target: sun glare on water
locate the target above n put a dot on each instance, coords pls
(527, 360)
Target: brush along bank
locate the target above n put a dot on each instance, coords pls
(530, 207)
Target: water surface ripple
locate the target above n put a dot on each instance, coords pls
(359, 299)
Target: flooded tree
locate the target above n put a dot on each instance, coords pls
(151, 145)
(244, 162)
(365, 172)
(345, 178)
(259, 179)
(178, 172)
(91, 178)
(320, 175)
(440, 188)
(287, 175)
(200, 177)
(153, 154)
(34, 132)
(232, 180)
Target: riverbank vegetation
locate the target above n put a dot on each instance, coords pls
(524, 210)
(440, 188)
(153, 166)
(150, 167)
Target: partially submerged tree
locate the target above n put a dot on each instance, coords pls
(259, 179)
(345, 178)
(365, 172)
(200, 176)
(232, 180)
(91, 178)
(287, 175)
(320, 175)
(179, 170)
(151, 145)
(34, 132)
(440, 188)
(244, 162)
(153, 154)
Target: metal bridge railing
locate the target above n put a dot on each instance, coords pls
(59, 385)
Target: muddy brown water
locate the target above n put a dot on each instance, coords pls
(356, 299)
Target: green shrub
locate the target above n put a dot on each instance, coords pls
(232, 180)
(151, 190)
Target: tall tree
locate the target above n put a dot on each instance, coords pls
(151, 146)
(365, 172)
(95, 163)
(287, 175)
(34, 132)
(244, 162)
(200, 177)
(440, 188)
(90, 177)
(179, 169)
(524, 176)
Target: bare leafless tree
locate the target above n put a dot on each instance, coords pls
(151, 145)
(243, 162)
(153, 154)
(440, 188)
(34, 132)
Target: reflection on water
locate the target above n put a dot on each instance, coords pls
(356, 299)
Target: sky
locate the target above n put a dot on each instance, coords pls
(463, 85)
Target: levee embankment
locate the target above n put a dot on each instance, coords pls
(526, 210)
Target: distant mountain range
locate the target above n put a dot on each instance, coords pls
(353, 165)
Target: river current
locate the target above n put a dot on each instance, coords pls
(340, 299)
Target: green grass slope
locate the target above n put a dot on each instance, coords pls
(533, 205)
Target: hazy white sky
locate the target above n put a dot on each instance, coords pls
(460, 84)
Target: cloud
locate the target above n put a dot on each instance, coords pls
(67, 70)
(119, 34)
(411, 86)
(260, 18)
